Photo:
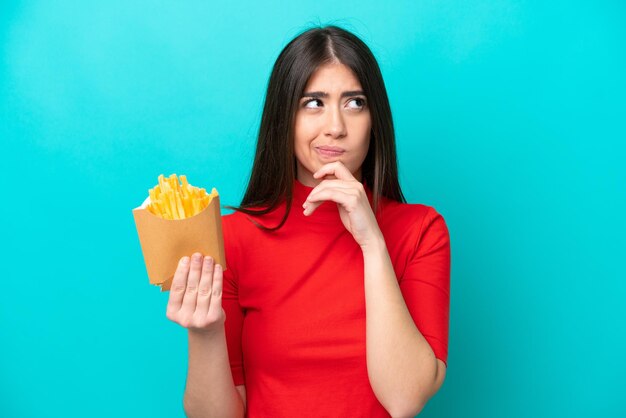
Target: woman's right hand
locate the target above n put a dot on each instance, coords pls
(196, 295)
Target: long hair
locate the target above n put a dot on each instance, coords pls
(274, 167)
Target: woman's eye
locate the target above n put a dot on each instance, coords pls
(357, 103)
(312, 104)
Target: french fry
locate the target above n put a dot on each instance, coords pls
(179, 206)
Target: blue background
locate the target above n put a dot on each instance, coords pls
(510, 122)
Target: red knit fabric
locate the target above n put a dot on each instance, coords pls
(295, 304)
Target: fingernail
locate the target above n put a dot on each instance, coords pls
(197, 257)
(185, 260)
(208, 260)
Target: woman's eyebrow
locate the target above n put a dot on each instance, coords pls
(317, 94)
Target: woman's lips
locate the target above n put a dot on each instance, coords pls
(329, 151)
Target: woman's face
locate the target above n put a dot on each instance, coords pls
(332, 123)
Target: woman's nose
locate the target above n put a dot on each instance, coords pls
(335, 125)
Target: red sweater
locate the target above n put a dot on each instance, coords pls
(295, 304)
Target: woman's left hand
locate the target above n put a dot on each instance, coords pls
(349, 194)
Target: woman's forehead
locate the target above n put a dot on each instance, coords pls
(333, 78)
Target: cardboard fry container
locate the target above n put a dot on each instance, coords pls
(165, 241)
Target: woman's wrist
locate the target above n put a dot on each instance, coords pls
(375, 245)
(208, 335)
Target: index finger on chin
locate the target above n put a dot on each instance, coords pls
(335, 169)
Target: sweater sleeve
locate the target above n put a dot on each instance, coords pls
(425, 283)
(234, 314)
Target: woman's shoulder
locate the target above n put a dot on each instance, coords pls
(237, 221)
(246, 223)
(413, 227)
(233, 217)
(236, 230)
(245, 217)
(407, 216)
(393, 208)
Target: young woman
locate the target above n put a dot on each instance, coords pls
(335, 302)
